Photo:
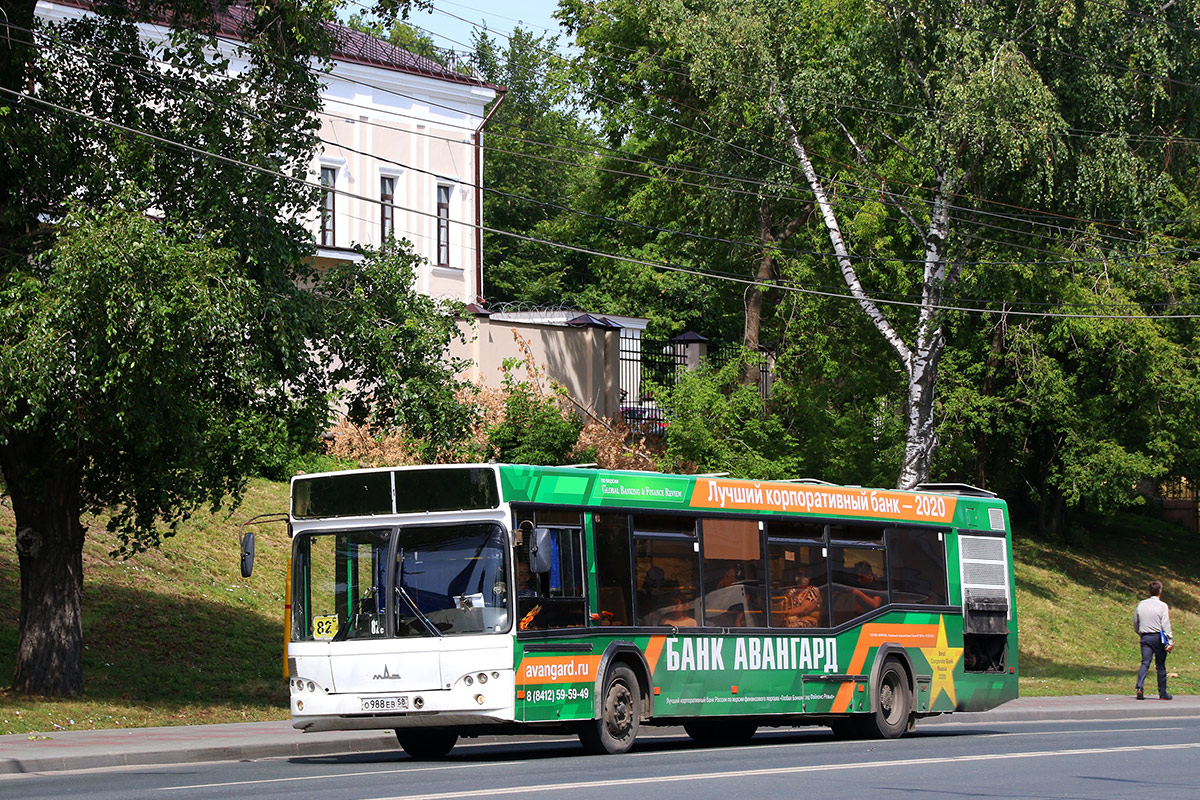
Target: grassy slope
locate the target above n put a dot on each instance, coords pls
(176, 636)
(1076, 606)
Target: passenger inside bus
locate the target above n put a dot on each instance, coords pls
(679, 614)
(866, 595)
(655, 595)
(802, 606)
(726, 603)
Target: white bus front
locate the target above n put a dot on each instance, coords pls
(401, 620)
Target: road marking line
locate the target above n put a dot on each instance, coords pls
(753, 773)
(653, 753)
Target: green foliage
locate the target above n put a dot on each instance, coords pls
(536, 167)
(717, 423)
(389, 345)
(1078, 414)
(536, 428)
(125, 345)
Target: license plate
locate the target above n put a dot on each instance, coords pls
(385, 704)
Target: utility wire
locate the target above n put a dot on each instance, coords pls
(909, 198)
(584, 250)
(755, 246)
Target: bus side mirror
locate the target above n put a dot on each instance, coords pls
(247, 554)
(539, 550)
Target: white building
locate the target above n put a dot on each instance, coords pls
(401, 150)
(407, 131)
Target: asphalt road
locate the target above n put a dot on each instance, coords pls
(1157, 758)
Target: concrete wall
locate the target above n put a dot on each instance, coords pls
(584, 360)
(1182, 512)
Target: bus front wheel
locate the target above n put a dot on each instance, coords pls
(620, 714)
(425, 744)
(893, 704)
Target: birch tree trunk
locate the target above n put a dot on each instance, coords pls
(920, 361)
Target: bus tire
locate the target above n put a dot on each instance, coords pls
(720, 733)
(893, 704)
(620, 714)
(426, 744)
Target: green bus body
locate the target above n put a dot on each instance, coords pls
(728, 653)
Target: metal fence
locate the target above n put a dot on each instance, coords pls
(723, 354)
(646, 363)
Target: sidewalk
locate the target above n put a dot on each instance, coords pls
(66, 750)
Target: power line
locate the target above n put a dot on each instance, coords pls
(583, 250)
(756, 246)
(971, 211)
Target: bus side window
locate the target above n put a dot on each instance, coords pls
(614, 581)
(799, 585)
(668, 572)
(552, 599)
(859, 581)
(917, 566)
(734, 591)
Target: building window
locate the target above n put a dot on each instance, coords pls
(443, 226)
(328, 177)
(387, 210)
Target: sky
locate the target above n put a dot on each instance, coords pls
(452, 22)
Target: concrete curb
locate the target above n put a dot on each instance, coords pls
(72, 750)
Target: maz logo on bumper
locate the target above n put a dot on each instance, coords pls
(386, 676)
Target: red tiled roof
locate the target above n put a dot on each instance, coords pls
(352, 45)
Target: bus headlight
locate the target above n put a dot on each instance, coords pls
(481, 677)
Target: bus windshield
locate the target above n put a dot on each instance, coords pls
(444, 581)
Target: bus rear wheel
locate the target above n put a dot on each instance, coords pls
(425, 744)
(720, 733)
(893, 704)
(620, 714)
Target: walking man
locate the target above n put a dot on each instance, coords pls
(1152, 621)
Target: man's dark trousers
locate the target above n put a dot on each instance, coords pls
(1152, 647)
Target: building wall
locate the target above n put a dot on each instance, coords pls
(421, 132)
(379, 121)
(584, 360)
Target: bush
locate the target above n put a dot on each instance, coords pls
(716, 423)
(538, 427)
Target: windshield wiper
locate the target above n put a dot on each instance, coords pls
(426, 623)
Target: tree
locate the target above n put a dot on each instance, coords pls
(149, 336)
(718, 423)
(932, 140)
(981, 130)
(127, 386)
(391, 344)
(537, 167)
(704, 178)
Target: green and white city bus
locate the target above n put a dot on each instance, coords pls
(448, 601)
